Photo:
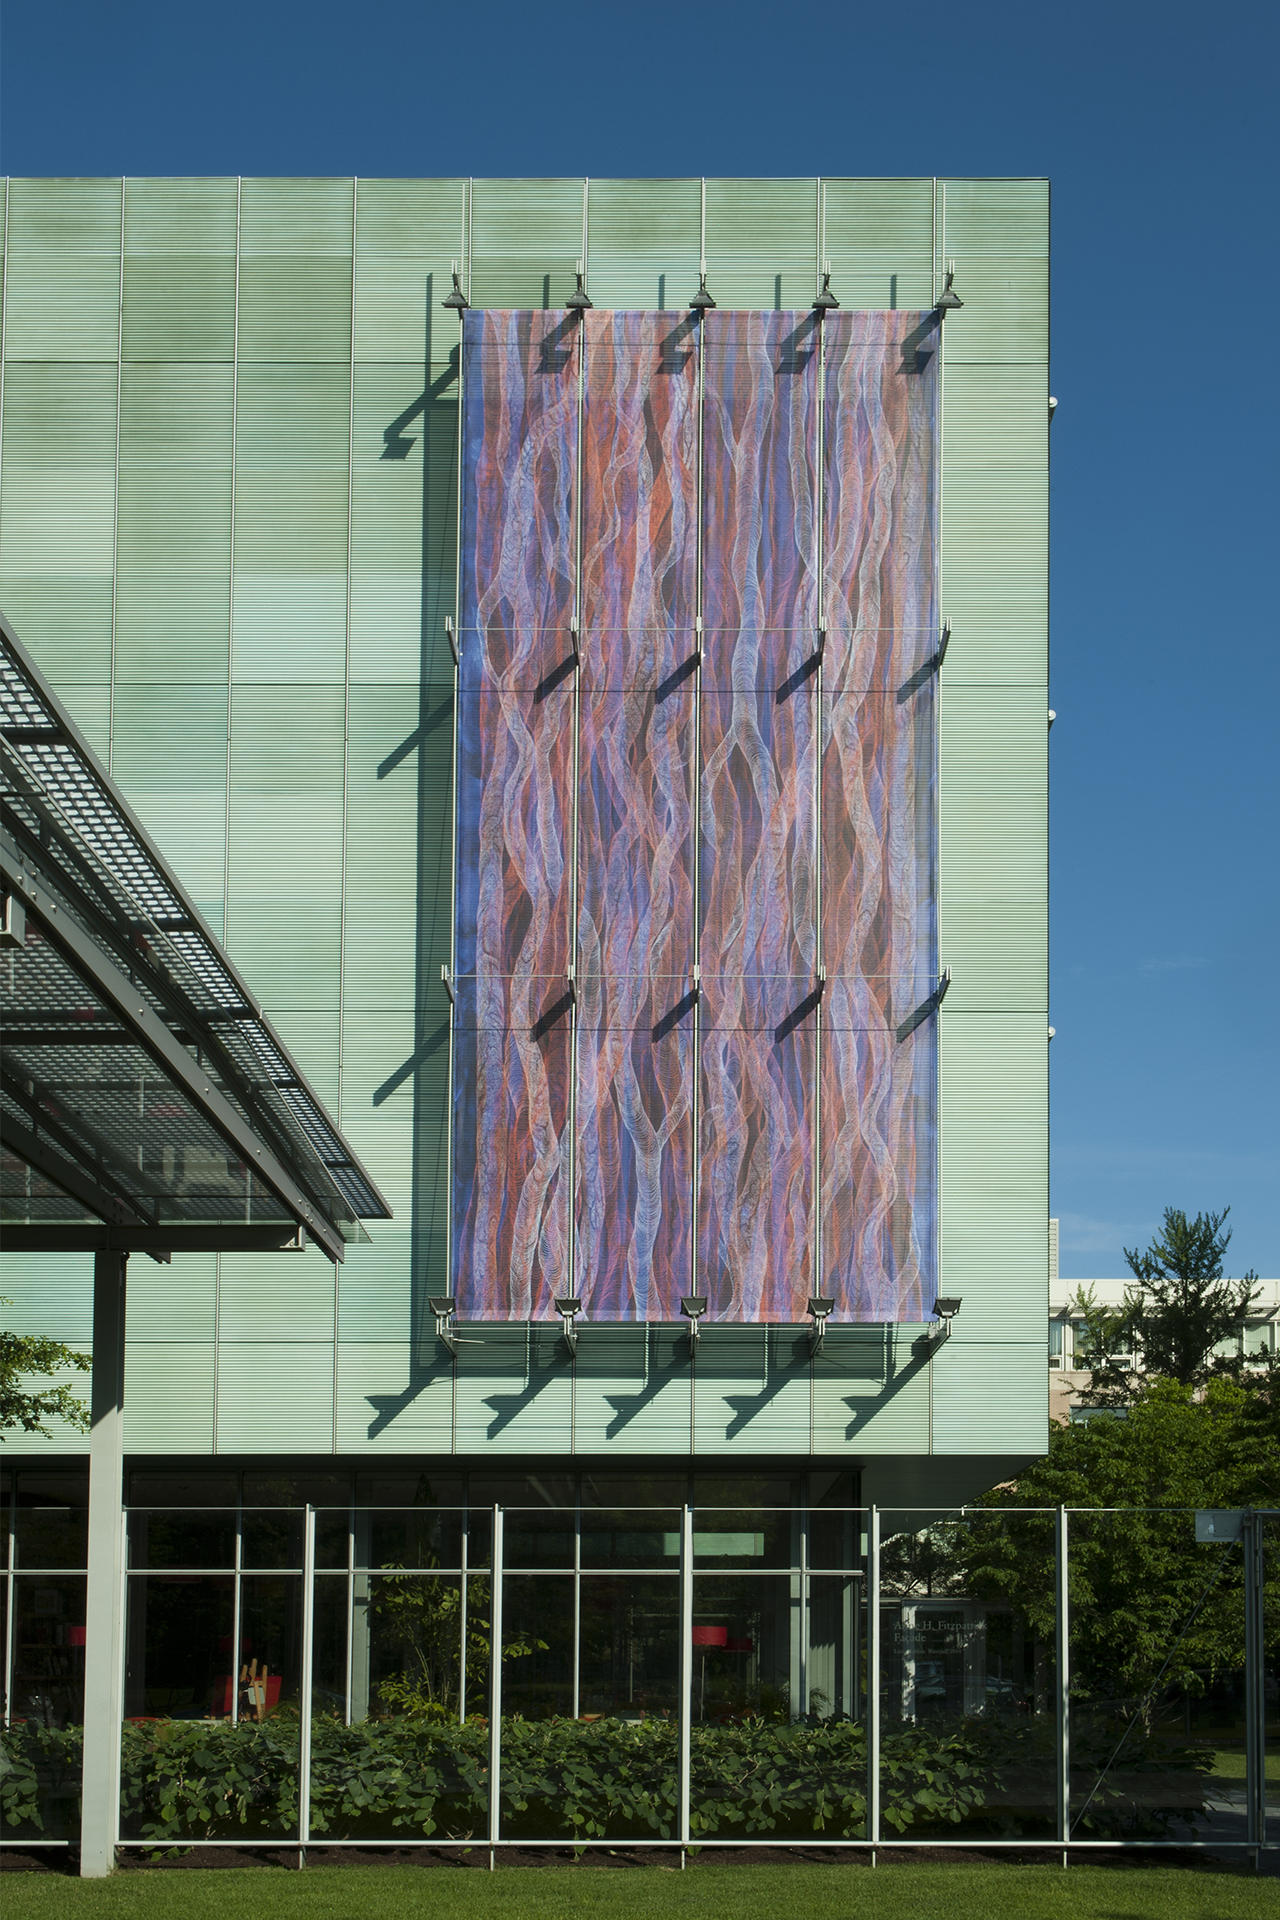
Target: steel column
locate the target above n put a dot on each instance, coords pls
(1062, 1675)
(873, 1675)
(104, 1632)
(495, 1692)
(1251, 1540)
(686, 1675)
(306, 1678)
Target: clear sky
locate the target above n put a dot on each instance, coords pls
(1157, 125)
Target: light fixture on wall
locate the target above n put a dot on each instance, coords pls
(456, 299)
(820, 1311)
(945, 1310)
(701, 301)
(568, 1306)
(444, 1307)
(948, 300)
(579, 300)
(826, 300)
(693, 1306)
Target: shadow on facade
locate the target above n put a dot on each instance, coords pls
(736, 1375)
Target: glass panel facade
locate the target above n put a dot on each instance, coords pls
(604, 1625)
(1158, 1711)
(967, 1694)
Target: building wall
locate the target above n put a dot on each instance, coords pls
(227, 534)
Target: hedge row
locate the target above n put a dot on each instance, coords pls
(406, 1778)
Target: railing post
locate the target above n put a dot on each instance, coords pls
(307, 1678)
(495, 1693)
(104, 1595)
(1062, 1675)
(686, 1675)
(873, 1677)
(1251, 1540)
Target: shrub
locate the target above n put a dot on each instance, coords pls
(418, 1777)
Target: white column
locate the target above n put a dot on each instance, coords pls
(306, 1680)
(104, 1634)
(686, 1676)
(495, 1693)
(873, 1676)
(1252, 1541)
(1062, 1676)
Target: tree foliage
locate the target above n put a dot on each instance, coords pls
(1148, 1605)
(1181, 1308)
(422, 1617)
(25, 1354)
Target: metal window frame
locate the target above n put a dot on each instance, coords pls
(1060, 1841)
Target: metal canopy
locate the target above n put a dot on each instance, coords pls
(145, 1103)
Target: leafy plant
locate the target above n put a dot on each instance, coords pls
(196, 1780)
(422, 1616)
(24, 1354)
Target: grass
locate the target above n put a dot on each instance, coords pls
(1228, 1764)
(907, 1890)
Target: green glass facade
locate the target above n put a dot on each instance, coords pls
(228, 535)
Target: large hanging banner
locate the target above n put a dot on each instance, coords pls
(695, 806)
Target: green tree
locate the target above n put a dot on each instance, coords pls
(1143, 1609)
(1188, 1305)
(25, 1354)
(1181, 1308)
(421, 1616)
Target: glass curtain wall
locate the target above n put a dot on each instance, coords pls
(668, 1671)
(42, 1621)
(1158, 1684)
(967, 1674)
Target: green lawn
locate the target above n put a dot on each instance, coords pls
(1228, 1764)
(706, 1891)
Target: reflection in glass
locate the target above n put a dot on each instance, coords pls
(47, 1682)
(51, 1519)
(198, 1652)
(270, 1644)
(743, 1642)
(537, 1638)
(744, 1537)
(627, 1490)
(407, 1646)
(626, 1538)
(1157, 1678)
(966, 1674)
(194, 1489)
(181, 1659)
(629, 1661)
(333, 1536)
(203, 1537)
(46, 1693)
(414, 1537)
(271, 1538)
(835, 1540)
(538, 1538)
(329, 1630)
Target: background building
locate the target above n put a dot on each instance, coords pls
(229, 536)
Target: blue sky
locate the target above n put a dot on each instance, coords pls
(1156, 125)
